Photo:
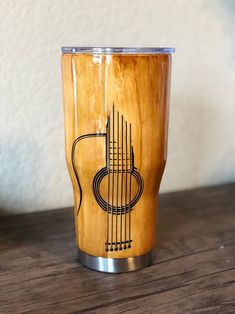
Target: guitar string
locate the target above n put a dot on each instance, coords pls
(130, 158)
(111, 248)
(125, 185)
(121, 189)
(128, 151)
(116, 247)
(108, 163)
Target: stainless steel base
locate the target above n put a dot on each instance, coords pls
(115, 265)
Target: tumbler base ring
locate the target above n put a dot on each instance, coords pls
(115, 265)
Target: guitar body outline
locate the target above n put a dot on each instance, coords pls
(117, 168)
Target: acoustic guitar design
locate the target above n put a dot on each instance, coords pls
(117, 186)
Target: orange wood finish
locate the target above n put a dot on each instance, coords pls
(136, 89)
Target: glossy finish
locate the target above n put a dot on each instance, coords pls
(115, 265)
(118, 50)
(121, 99)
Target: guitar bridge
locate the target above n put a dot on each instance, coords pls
(118, 246)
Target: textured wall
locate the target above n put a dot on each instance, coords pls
(33, 172)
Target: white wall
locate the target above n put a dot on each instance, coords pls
(33, 172)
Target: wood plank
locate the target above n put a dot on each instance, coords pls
(193, 271)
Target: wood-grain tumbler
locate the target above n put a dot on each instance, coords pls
(116, 119)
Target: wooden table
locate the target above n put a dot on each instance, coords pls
(193, 271)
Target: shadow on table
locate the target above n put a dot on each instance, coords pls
(52, 230)
(187, 218)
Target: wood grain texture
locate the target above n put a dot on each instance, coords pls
(131, 90)
(193, 270)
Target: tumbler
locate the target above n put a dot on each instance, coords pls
(116, 120)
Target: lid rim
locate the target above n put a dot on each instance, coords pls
(117, 50)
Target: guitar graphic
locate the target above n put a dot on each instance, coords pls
(117, 186)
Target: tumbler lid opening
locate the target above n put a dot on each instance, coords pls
(117, 50)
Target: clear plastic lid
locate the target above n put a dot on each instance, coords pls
(117, 50)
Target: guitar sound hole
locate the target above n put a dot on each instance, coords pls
(118, 201)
